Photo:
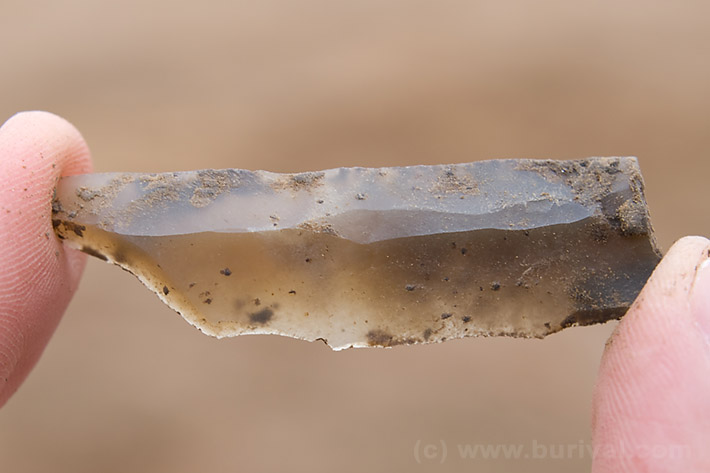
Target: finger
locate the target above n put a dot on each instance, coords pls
(651, 409)
(38, 276)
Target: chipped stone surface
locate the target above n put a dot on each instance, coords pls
(376, 257)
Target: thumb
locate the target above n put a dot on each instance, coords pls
(651, 409)
(38, 275)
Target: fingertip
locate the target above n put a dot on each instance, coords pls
(651, 398)
(37, 148)
(39, 276)
(38, 134)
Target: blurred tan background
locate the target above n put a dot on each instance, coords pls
(126, 385)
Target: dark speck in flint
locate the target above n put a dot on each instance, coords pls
(225, 271)
(495, 285)
(466, 318)
(568, 321)
(166, 291)
(445, 315)
(78, 229)
(361, 196)
(464, 251)
(410, 287)
(90, 251)
(379, 337)
(261, 317)
(69, 226)
(292, 291)
(208, 301)
(427, 333)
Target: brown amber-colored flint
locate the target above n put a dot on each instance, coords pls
(376, 257)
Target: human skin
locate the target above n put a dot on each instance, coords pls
(651, 408)
(39, 275)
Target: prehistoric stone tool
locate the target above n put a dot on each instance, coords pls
(376, 257)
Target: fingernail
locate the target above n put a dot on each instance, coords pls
(700, 298)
